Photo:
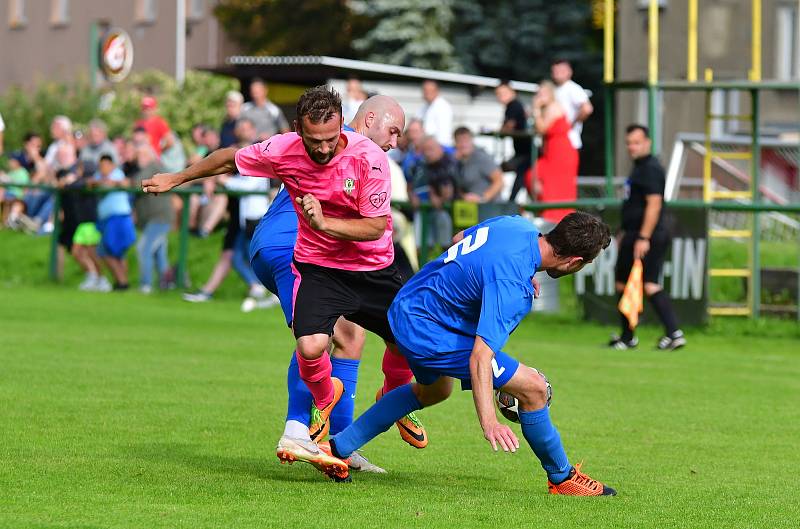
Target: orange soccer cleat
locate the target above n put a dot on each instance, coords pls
(320, 419)
(579, 484)
(411, 429)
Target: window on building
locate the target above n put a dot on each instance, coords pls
(195, 9)
(59, 12)
(16, 14)
(145, 11)
(787, 48)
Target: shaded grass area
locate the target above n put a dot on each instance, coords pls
(130, 411)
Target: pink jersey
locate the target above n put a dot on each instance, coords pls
(353, 185)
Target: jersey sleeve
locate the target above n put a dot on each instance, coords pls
(254, 160)
(503, 305)
(655, 182)
(375, 195)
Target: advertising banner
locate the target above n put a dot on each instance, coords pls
(683, 277)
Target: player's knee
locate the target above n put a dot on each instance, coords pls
(311, 347)
(434, 393)
(534, 392)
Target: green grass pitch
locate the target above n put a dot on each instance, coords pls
(121, 410)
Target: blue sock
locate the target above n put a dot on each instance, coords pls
(299, 407)
(546, 443)
(345, 370)
(376, 420)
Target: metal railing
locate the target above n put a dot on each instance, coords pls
(424, 250)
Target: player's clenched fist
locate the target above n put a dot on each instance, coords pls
(160, 183)
(312, 211)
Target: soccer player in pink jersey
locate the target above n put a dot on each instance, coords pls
(344, 255)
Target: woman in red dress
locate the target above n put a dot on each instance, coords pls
(555, 176)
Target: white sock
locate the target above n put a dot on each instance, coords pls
(296, 430)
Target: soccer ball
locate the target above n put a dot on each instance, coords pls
(507, 404)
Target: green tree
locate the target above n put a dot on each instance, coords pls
(201, 99)
(518, 39)
(291, 27)
(408, 33)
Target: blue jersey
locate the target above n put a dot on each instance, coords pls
(277, 229)
(479, 287)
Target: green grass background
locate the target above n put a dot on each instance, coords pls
(124, 411)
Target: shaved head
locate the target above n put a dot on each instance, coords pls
(381, 119)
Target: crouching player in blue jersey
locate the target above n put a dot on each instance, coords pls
(381, 120)
(452, 319)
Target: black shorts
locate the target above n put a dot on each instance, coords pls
(68, 228)
(324, 294)
(652, 263)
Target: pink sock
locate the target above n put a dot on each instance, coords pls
(395, 371)
(317, 376)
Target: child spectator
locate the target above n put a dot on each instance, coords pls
(115, 221)
(79, 234)
(13, 196)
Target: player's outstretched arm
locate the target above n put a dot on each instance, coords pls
(480, 367)
(221, 161)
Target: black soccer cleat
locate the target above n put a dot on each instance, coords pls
(621, 345)
(674, 341)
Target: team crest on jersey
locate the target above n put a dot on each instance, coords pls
(349, 185)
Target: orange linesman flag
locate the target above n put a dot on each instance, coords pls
(631, 303)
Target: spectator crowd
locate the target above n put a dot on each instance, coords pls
(101, 221)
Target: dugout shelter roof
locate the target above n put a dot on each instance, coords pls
(319, 69)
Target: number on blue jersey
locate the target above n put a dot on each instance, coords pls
(467, 245)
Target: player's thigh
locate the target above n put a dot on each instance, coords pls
(321, 295)
(434, 393)
(273, 267)
(530, 387)
(376, 291)
(348, 339)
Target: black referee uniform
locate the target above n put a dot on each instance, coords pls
(646, 179)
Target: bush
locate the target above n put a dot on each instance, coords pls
(201, 99)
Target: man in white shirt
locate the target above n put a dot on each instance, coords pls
(572, 97)
(61, 132)
(436, 114)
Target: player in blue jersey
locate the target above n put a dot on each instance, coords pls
(380, 119)
(452, 319)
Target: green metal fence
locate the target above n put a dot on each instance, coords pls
(424, 250)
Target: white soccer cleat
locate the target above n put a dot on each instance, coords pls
(249, 305)
(290, 450)
(359, 463)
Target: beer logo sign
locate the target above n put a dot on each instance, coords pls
(116, 55)
(349, 185)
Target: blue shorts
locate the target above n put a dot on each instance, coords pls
(118, 234)
(273, 267)
(428, 369)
